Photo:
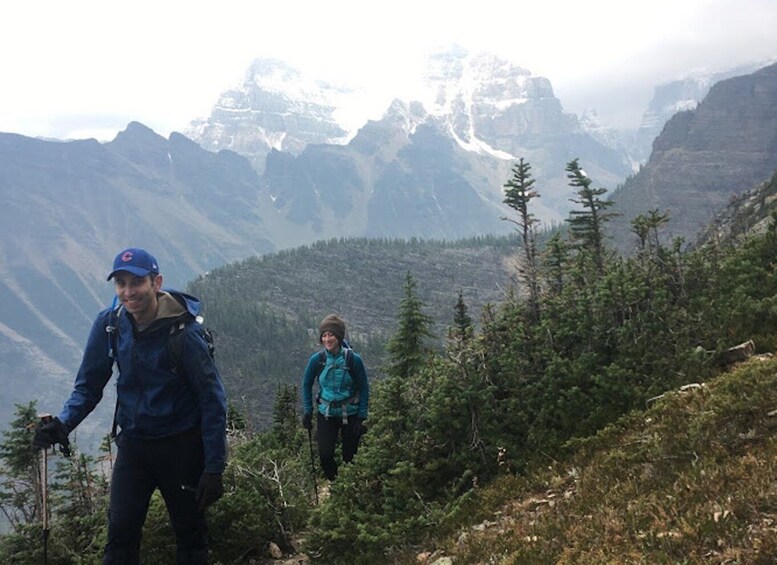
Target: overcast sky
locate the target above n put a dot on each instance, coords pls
(83, 68)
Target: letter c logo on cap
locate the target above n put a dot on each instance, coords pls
(127, 256)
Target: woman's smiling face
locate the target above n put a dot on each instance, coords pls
(330, 341)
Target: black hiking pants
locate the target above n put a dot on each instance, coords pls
(141, 467)
(327, 431)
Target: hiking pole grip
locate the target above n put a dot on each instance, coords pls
(59, 436)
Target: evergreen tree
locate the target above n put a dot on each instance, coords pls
(20, 498)
(25, 495)
(587, 225)
(285, 413)
(518, 196)
(407, 347)
(555, 260)
(237, 422)
(79, 502)
(742, 295)
(646, 229)
(461, 330)
(268, 489)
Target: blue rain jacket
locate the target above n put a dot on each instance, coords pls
(154, 398)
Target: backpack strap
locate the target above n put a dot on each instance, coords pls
(175, 344)
(349, 366)
(349, 363)
(112, 328)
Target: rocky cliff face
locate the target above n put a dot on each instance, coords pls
(678, 96)
(492, 107)
(398, 177)
(411, 173)
(747, 214)
(484, 97)
(274, 108)
(703, 157)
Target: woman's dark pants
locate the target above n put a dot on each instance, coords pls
(328, 429)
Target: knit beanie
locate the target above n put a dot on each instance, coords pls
(332, 323)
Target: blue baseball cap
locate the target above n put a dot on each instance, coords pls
(139, 262)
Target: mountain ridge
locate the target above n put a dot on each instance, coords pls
(703, 157)
(493, 110)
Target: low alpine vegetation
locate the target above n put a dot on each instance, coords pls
(548, 428)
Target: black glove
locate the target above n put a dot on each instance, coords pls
(51, 431)
(209, 490)
(307, 421)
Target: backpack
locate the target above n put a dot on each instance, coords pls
(174, 345)
(175, 341)
(350, 367)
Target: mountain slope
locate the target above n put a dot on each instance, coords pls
(678, 96)
(400, 177)
(748, 214)
(703, 157)
(265, 310)
(691, 479)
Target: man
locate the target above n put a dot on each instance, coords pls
(343, 398)
(171, 411)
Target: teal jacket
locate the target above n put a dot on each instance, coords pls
(339, 387)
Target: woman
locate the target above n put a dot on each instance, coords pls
(343, 394)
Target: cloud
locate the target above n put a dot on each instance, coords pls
(165, 63)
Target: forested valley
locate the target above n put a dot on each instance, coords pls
(584, 409)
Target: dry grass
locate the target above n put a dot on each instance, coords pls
(693, 479)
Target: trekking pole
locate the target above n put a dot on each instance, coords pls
(313, 464)
(44, 496)
(44, 482)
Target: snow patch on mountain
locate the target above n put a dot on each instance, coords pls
(476, 145)
(276, 107)
(455, 81)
